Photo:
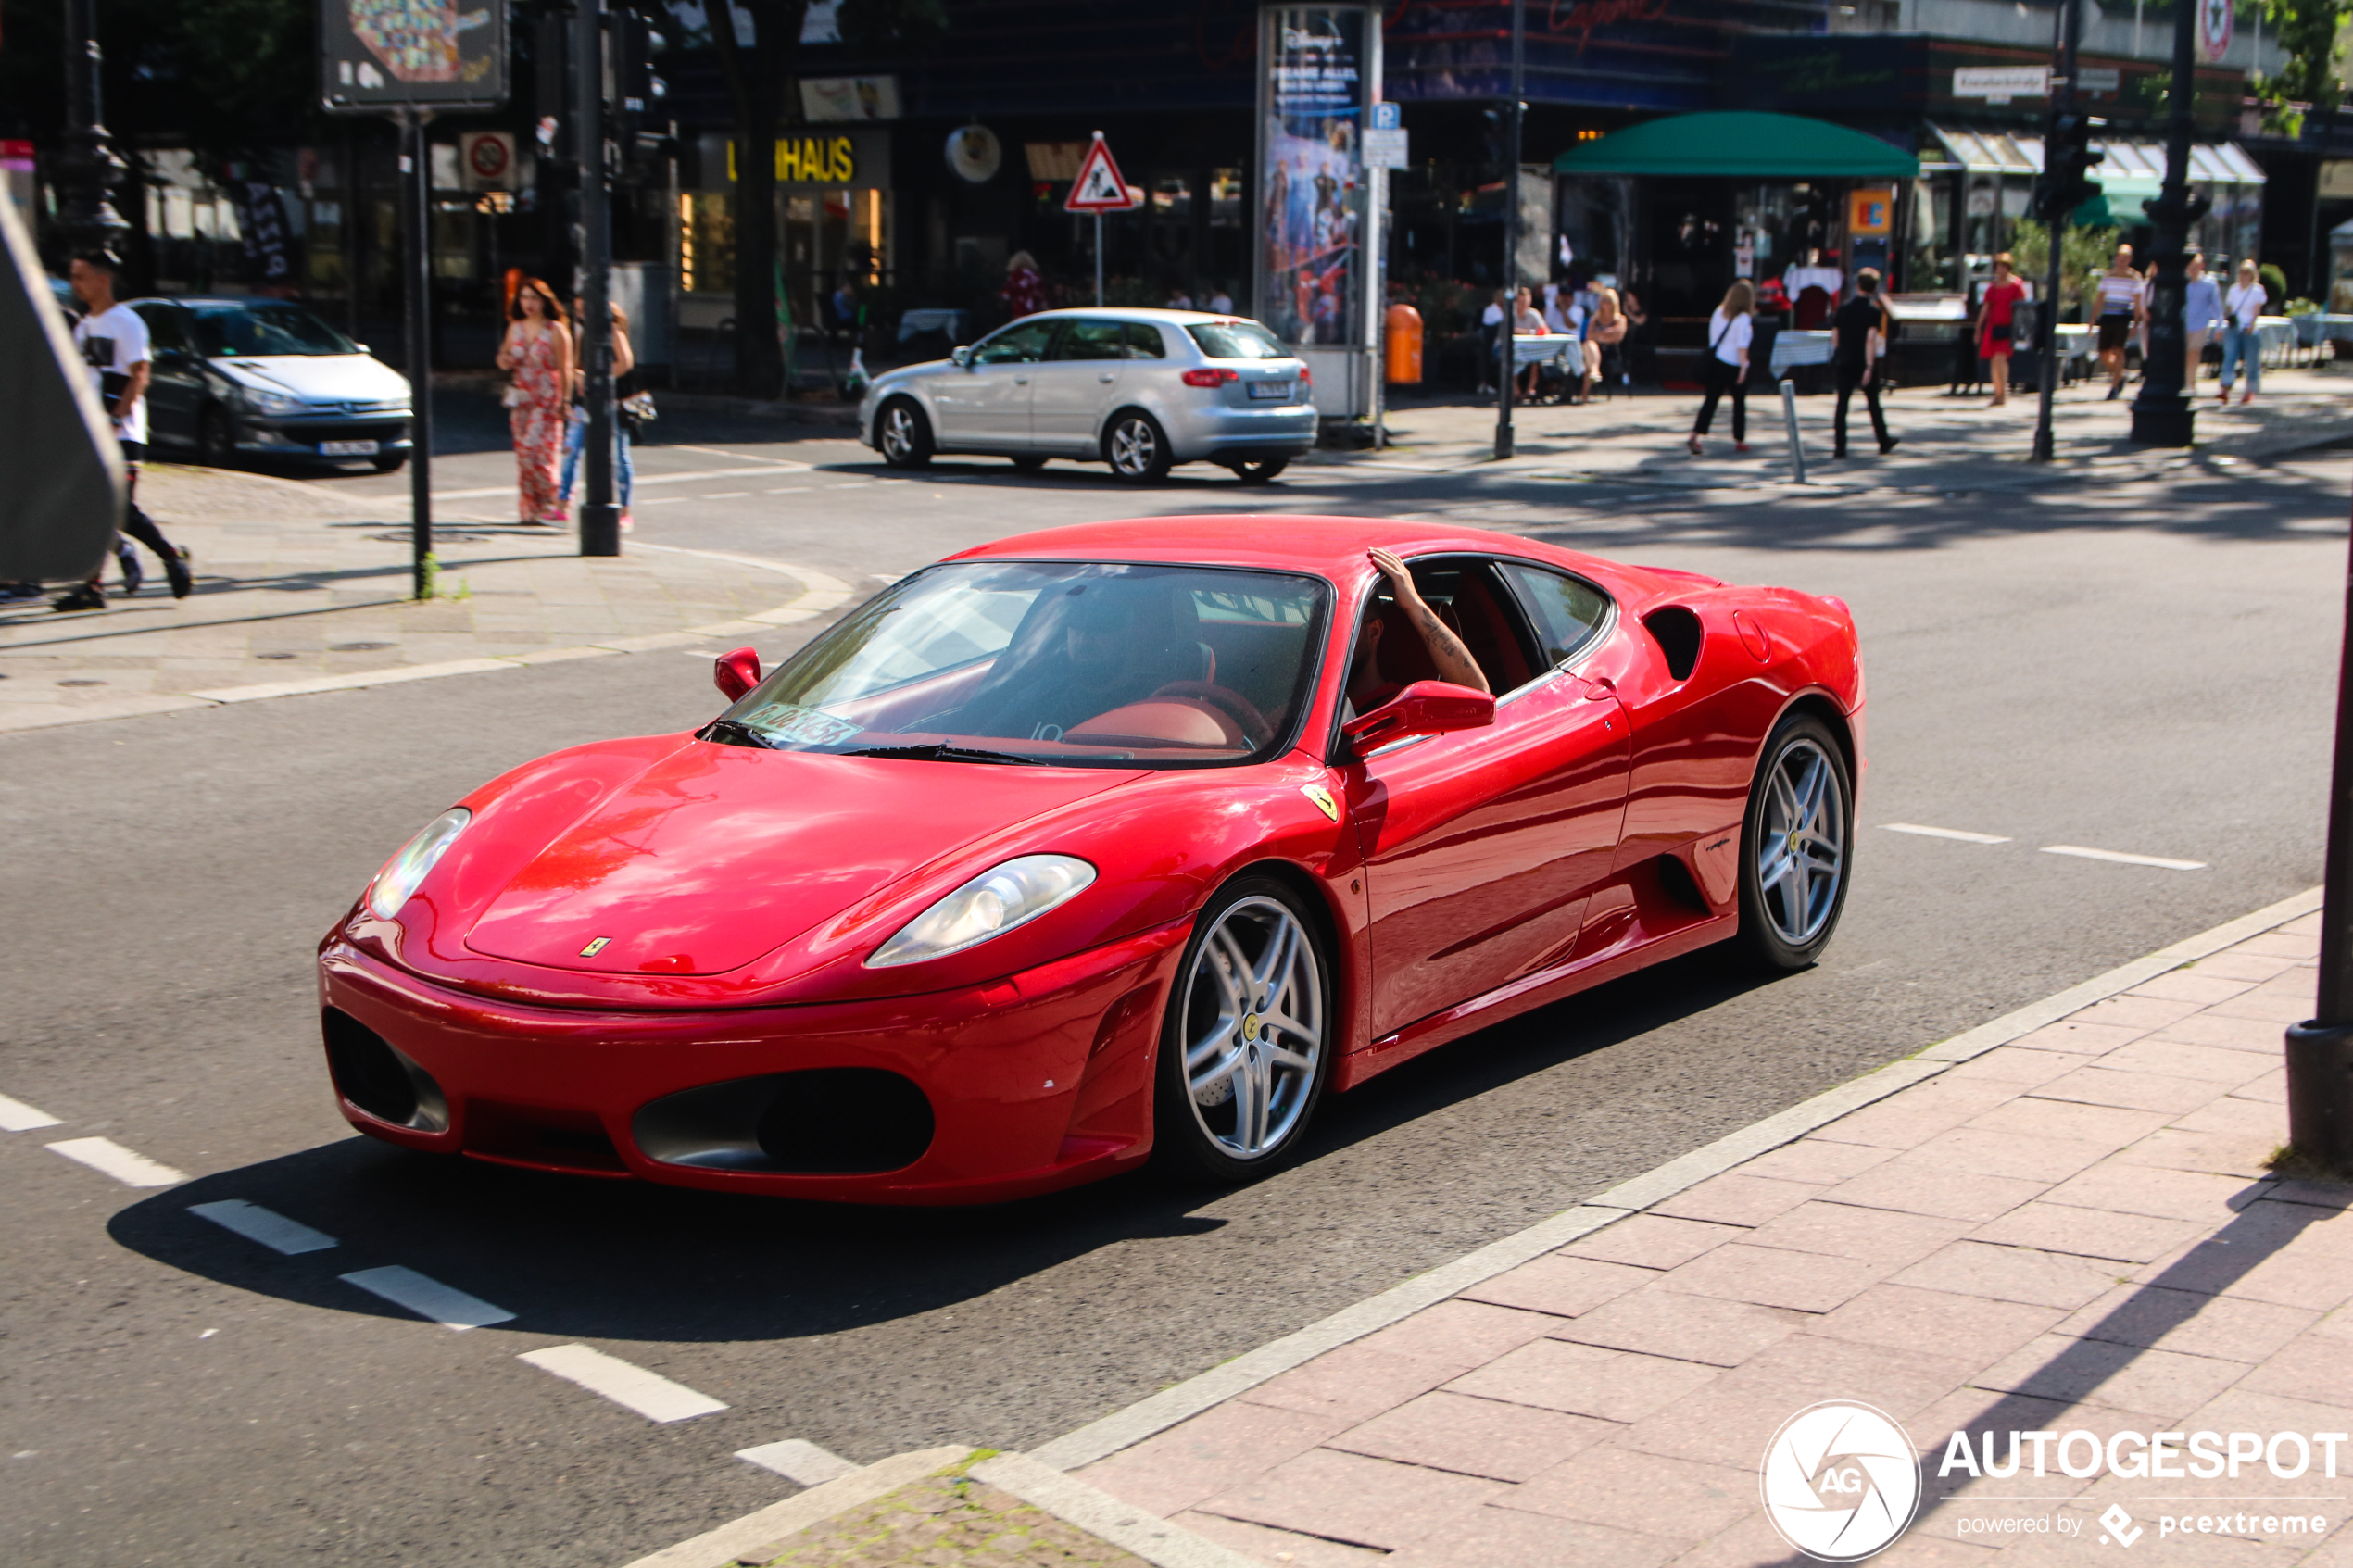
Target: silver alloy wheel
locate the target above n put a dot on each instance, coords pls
(1801, 842)
(1252, 1026)
(898, 432)
(1135, 446)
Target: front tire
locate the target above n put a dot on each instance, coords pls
(1030, 463)
(389, 462)
(1796, 845)
(1247, 1044)
(1137, 449)
(216, 439)
(902, 435)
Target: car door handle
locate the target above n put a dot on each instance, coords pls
(1599, 688)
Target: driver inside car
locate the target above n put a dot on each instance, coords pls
(1399, 610)
(1096, 648)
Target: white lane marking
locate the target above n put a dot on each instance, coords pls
(662, 500)
(267, 1226)
(642, 478)
(798, 1459)
(1946, 832)
(649, 1394)
(2123, 860)
(130, 1169)
(428, 1297)
(740, 458)
(18, 1117)
(790, 490)
(725, 496)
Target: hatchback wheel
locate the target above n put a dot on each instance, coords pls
(1260, 470)
(902, 435)
(216, 439)
(1796, 844)
(1029, 463)
(1137, 449)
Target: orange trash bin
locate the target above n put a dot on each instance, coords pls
(1402, 335)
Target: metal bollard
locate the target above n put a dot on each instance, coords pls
(1789, 418)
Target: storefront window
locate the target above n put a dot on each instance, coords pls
(707, 242)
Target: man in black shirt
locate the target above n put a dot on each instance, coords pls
(1853, 330)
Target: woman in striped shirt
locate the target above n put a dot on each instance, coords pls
(2119, 310)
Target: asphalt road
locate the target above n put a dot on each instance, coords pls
(2142, 668)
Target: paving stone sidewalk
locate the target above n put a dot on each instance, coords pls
(2076, 1230)
(296, 585)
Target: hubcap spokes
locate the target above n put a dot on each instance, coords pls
(1254, 1028)
(1131, 447)
(897, 432)
(1801, 842)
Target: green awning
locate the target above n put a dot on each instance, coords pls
(1741, 147)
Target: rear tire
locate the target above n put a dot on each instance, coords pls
(1137, 449)
(902, 435)
(1247, 1044)
(1797, 845)
(1030, 463)
(1260, 470)
(216, 439)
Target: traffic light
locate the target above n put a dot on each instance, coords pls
(2068, 157)
(636, 90)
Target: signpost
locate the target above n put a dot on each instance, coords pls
(405, 59)
(1100, 189)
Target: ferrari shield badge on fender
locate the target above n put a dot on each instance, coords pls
(595, 947)
(1323, 799)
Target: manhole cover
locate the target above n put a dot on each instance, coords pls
(81, 683)
(273, 656)
(356, 647)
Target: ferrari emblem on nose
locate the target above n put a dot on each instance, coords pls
(1323, 799)
(595, 947)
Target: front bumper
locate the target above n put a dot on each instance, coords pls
(1036, 1082)
(299, 437)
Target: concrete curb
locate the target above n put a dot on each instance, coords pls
(1122, 1429)
(1103, 1516)
(744, 1536)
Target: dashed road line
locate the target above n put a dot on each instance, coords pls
(18, 1117)
(267, 1226)
(2121, 859)
(725, 496)
(649, 1394)
(428, 1297)
(796, 1459)
(130, 1169)
(1961, 835)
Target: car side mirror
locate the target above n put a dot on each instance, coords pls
(963, 357)
(736, 673)
(1426, 708)
(362, 347)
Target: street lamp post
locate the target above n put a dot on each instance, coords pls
(599, 513)
(2161, 414)
(2320, 1051)
(89, 169)
(1505, 353)
(2046, 315)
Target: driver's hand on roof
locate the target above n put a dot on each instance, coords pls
(1448, 653)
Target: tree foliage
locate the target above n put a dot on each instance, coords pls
(2083, 255)
(2307, 32)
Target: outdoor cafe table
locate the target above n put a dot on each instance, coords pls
(1549, 348)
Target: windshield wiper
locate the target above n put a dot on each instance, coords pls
(940, 751)
(734, 731)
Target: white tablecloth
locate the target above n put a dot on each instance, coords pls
(1552, 347)
(1799, 348)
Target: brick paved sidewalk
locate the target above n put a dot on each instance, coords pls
(2074, 1230)
(297, 586)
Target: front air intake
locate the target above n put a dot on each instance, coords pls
(821, 1120)
(378, 1079)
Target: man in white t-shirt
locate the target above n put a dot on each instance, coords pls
(113, 341)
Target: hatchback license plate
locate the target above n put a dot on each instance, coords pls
(1270, 390)
(348, 448)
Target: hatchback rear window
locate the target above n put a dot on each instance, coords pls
(1237, 340)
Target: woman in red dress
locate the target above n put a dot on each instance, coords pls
(1996, 318)
(537, 355)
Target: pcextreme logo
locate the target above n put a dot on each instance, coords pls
(1841, 1481)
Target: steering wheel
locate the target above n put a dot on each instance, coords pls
(1228, 701)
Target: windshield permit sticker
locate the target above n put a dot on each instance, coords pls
(805, 725)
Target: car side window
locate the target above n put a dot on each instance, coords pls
(1468, 596)
(1567, 610)
(166, 330)
(1091, 340)
(1144, 342)
(1024, 342)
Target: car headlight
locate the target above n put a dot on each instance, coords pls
(405, 871)
(262, 402)
(989, 905)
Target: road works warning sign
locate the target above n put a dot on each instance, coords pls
(1098, 187)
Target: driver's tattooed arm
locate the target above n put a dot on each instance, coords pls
(1447, 651)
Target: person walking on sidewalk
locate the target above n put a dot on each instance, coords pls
(1724, 368)
(113, 341)
(2240, 311)
(537, 354)
(2120, 311)
(1997, 325)
(2201, 316)
(1857, 334)
(624, 387)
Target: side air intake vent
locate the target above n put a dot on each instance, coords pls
(1677, 632)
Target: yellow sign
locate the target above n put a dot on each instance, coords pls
(810, 160)
(1323, 799)
(1870, 213)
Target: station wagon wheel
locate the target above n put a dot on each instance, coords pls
(1246, 1045)
(902, 435)
(1137, 449)
(1796, 844)
(1260, 470)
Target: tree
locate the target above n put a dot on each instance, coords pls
(2085, 253)
(2307, 32)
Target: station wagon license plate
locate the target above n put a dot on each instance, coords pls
(348, 448)
(1270, 391)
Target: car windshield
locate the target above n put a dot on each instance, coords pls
(1100, 664)
(1237, 340)
(266, 326)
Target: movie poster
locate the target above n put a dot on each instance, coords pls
(1312, 174)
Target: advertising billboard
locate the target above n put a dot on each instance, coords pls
(375, 55)
(1322, 73)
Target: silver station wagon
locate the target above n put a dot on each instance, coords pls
(1141, 390)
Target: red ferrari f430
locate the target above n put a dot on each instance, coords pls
(1089, 846)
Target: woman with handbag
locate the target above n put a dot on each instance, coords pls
(632, 407)
(1724, 368)
(537, 355)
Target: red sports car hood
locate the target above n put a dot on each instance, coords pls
(715, 855)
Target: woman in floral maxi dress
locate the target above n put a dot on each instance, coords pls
(537, 355)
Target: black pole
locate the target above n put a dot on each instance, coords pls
(2161, 414)
(1503, 350)
(2320, 1052)
(2047, 314)
(89, 169)
(599, 515)
(416, 324)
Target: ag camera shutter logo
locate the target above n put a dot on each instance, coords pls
(1841, 1481)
